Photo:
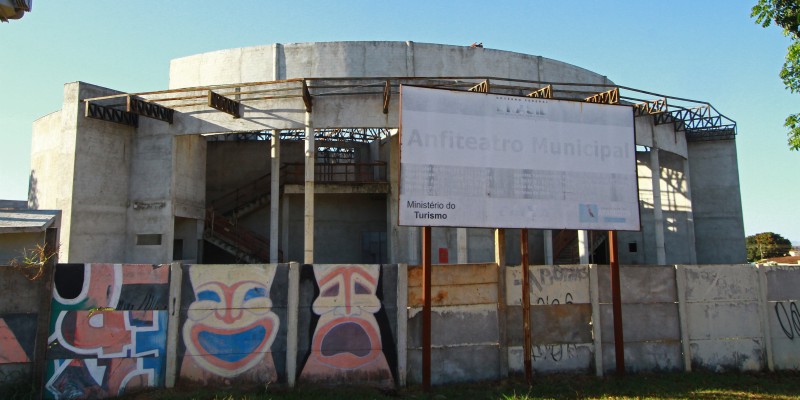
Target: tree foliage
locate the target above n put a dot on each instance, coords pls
(766, 245)
(786, 14)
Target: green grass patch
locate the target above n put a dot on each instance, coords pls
(696, 385)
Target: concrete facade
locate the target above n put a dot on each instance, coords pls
(140, 195)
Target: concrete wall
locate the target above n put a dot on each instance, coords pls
(108, 330)
(117, 327)
(465, 333)
(12, 245)
(365, 59)
(716, 200)
(82, 167)
(19, 312)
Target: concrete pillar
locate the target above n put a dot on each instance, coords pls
(274, 195)
(583, 246)
(308, 215)
(461, 243)
(548, 246)
(285, 225)
(658, 216)
(689, 213)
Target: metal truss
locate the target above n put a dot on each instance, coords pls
(359, 135)
(698, 119)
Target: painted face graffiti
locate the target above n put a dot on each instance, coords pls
(347, 341)
(230, 326)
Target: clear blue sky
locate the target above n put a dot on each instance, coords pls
(705, 50)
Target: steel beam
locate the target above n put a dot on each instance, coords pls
(150, 110)
(109, 114)
(224, 104)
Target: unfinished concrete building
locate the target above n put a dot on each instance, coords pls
(290, 152)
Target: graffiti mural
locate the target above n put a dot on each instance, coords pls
(108, 329)
(229, 326)
(346, 346)
(17, 336)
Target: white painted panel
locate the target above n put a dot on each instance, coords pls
(487, 160)
(728, 355)
(550, 284)
(721, 282)
(723, 320)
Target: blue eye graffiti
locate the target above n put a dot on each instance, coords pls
(208, 295)
(255, 293)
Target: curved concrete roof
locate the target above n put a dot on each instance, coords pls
(367, 59)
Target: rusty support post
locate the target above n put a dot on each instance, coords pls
(616, 300)
(426, 308)
(526, 305)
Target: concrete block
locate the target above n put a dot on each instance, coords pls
(786, 353)
(782, 282)
(554, 358)
(454, 275)
(456, 364)
(15, 373)
(456, 326)
(455, 295)
(565, 323)
(640, 284)
(17, 293)
(744, 355)
(645, 357)
(723, 320)
(642, 322)
(549, 284)
(721, 283)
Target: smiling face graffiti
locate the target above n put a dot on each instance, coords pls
(230, 327)
(347, 342)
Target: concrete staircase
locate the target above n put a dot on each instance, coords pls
(222, 227)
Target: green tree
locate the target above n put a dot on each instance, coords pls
(786, 14)
(766, 245)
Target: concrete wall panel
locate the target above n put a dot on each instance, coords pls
(783, 282)
(456, 364)
(453, 326)
(642, 322)
(723, 320)
(233, 324)
(721, 283)
(345, 331)
(645, 357)
(549, 284)
(554, 358)
(640, 284)
(728, 355)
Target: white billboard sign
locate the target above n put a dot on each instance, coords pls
(496, 161)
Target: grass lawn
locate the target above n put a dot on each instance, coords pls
(696, 385)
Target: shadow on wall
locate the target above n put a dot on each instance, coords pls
(33, 201)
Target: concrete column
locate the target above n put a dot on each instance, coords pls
(414, 244)
(285, 225)
(274, 195)
(461, 243)
(402, 324)
(308, 215)
(173, 323)
(502, 323)
(548, 246)
(583, 246)
(292, 307)
(763, 315)
(683, 316)
(658, 217)
(689, 213)
(597, 332)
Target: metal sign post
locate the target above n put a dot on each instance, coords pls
(616, 301)
(526, 306)
(426, 308)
